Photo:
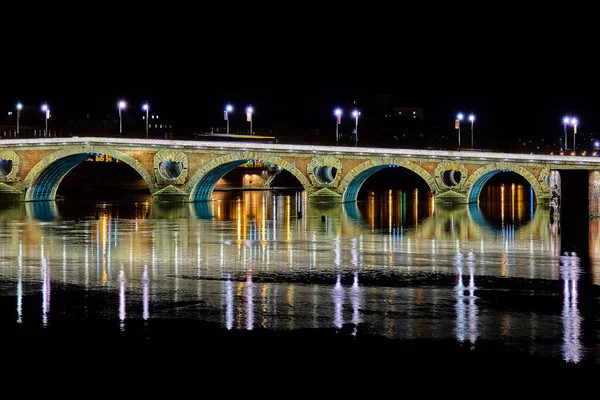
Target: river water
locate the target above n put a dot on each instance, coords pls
(393, 266)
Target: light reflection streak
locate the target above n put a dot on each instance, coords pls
(472, 308)
(338, 299)
(122, 298)
(355, 299)
(459, 289)
(64, 259)
(146, 293)
(249, 301)
(571, 349)
(229, 302)
(45, 286)
(20, 283)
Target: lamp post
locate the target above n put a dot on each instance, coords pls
(19, 108)
(338, 114)
(472, 119)
(459, 117)
(574, 122)
(121, 105)
(228, 109)
(145, 107)
(355, 114)
(46, 110)
(566, 121)
(249, 112)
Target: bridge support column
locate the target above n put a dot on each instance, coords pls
(451, 197)
(325, 195)
(171, 194)
(594, 193)
(10, 194)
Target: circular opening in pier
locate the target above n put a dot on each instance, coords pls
(170, 169)
(325, 175)
(5, 167)
(450, 178)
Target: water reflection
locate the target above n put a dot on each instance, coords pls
(571, 318)
(393, 265)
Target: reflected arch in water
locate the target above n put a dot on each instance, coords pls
(42, 210)
(203, 182)
(480, 177)
(477, 217)
(352, 211)
(354, 179)
(43, 180)
(202, 209)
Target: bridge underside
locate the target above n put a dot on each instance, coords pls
(351, 193)
(479, 184)
(46, 185)
(206, 185)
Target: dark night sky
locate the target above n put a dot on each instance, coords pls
(518, 69)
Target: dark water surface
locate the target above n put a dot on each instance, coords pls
(268, 272)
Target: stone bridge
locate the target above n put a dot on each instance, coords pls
(32, 169)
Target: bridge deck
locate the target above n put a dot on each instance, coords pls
(291, 148)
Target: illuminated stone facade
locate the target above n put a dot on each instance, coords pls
(190, 170)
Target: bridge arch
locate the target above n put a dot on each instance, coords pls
(202, 183)
(44, 178)
(354, 179)
(479, 178)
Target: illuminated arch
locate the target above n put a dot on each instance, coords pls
(479, 178)
(202, 183)
(355, 178)
(44, 178)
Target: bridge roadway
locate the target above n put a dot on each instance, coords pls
(187, 170)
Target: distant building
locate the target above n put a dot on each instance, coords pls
(409, 112)
(132, 127)
(31, 125)
(384, 105)
(158, 127)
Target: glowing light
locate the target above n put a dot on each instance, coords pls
(355, 113)
(460, 116)
(229, 108)
(566, 120)
(44, 107)
(19, 106)
(122, 104)
(337, 112)
(146, 107)
(250, 110)
(471, 117)
(574, 121)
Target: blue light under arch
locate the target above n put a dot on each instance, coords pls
(44, 187)
(204, 188)
(351, 192)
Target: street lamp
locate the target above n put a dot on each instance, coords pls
(566, 121)
(472, 119)
(574, 122)
(45, 109)
(338, 113)
(228, 109)
(355, 114)
(459, 117)
(249, 112)
(145, 107)
(19, 108)
(121, 105)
